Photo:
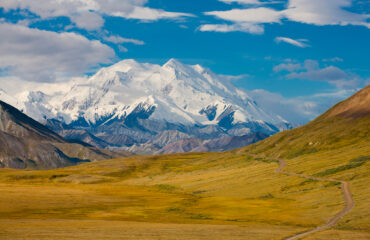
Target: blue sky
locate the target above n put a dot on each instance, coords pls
(296, 48)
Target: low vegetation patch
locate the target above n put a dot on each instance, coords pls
(302, 152)
(175, 209)
(25, 177)
(266, 160)
(199, 192)
(308, 181)
(267, 196)
(166, 187)
(332, 184)
(54, 176)
(200, 216)
(354, 163)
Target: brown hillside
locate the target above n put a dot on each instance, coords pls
(357, 106)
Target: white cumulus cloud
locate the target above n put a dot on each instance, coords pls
(249, 2)
(316, 12)
(327, 12)
(150, 14)
(311, 70)
(250, 15)
(87, 14)
(243, 20)
(119, 39)
(243, 27)
(241, 1)
(40, 55)
(290, 67)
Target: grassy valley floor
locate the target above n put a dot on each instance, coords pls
(229, 195)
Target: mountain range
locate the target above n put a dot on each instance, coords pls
(149, 108)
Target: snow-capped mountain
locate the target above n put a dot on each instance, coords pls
(131, 103)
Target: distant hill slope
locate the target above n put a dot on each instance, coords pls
(345, 124)
(357, 106)
(25, 143)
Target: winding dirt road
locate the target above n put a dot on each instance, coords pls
(332, 221)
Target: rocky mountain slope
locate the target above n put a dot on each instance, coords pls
(25, 143)
(219, 144)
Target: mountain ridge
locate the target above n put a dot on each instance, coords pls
(10, 117)
(25, 143)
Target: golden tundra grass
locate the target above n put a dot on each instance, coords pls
(230, 195)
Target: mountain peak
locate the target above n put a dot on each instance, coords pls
(129, 61)
(173, 63)
(124, 65)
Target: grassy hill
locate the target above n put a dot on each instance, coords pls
(335, 145)
(232, 195)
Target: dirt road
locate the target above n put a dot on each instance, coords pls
(332, 221)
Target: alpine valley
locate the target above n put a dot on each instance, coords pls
(147, 108)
